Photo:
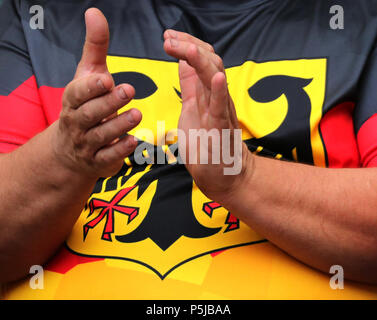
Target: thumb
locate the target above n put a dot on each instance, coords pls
(96, 44)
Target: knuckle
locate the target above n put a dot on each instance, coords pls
(66, 119)
(66, 99)
(87, 154)
(204, 63)
(101, 157)
(76, 96)
(99, 136)
(71, 97)
(77, 140)
(218, 62)
(87, 115)
(73, 93)
(210, 48)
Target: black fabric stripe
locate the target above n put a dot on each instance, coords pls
(15, 65)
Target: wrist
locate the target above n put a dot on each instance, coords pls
(240, 188)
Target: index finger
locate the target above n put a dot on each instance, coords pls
(178, 35)
(84, 89)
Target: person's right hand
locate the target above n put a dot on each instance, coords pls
(89, 136)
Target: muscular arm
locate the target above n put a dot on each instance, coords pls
(45, 183)
(321, 216)
(40, 202)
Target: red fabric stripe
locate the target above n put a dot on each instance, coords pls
(52, 102)
(65, 260)
(367, 142)
(339, 137)
(7, 147)
(21, 116)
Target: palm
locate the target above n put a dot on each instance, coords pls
(193, 90)
(190, 117)
(206, 104)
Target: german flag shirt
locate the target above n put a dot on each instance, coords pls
(303, 77)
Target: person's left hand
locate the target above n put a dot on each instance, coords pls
(206, 104)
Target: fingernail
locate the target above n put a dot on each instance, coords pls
(122, 93)
(100, 84)
(174, 43)
(131, 117)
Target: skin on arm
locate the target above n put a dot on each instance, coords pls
(321, 216)
(45, 183)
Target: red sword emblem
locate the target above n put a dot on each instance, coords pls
(107, 211)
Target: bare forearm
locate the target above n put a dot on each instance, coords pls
(40, 202)
(321, 216)
(45, 183)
